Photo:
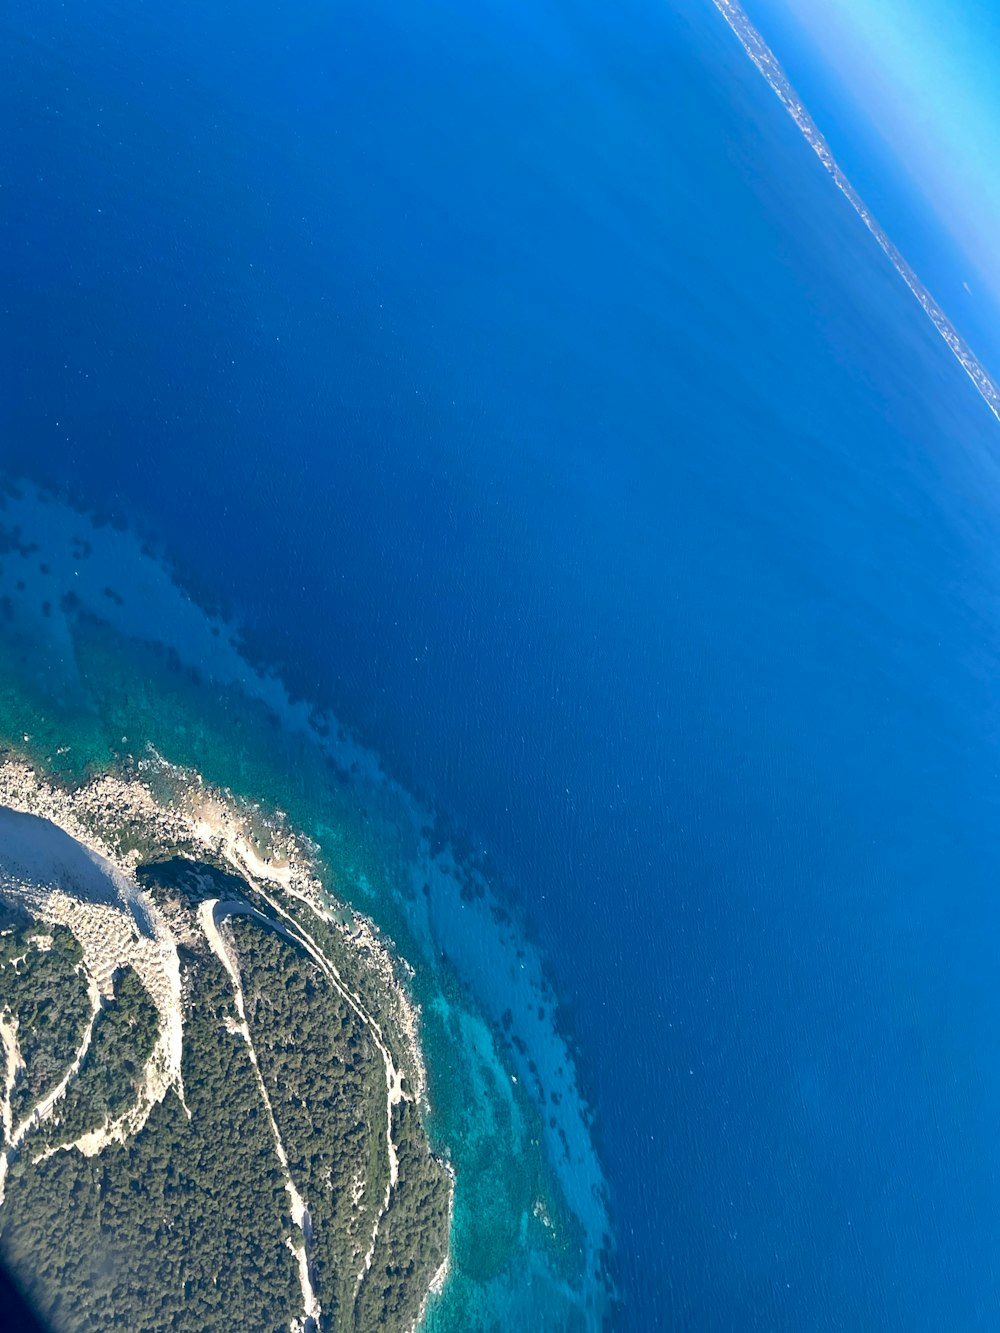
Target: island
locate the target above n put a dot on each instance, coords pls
(213, 1099)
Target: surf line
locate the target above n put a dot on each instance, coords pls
(764, 58)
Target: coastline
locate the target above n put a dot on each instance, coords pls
(205, 824)
(113, 683)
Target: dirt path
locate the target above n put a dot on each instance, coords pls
(14, 1065)
(43, 1109)
(210, 914)
(248, 866)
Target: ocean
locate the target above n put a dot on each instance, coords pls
(520, 384)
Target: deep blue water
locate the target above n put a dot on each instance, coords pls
(525, 384)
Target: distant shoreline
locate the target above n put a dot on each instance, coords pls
(766, 62)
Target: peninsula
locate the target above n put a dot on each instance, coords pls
(212, 1093)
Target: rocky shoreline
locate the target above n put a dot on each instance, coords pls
(123, 825)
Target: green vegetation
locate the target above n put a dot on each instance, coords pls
(183, 1227)
(43, 987)
(188, 1226)
(327, 1088)
(326, 1081)
(110, 1077)
(412, 1237)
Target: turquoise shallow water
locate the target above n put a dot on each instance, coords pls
(106, 659)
